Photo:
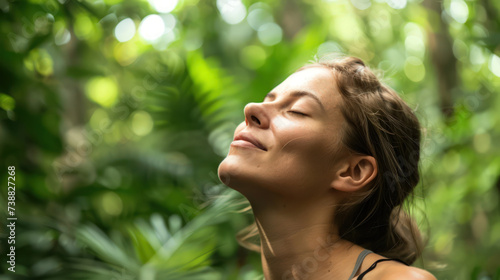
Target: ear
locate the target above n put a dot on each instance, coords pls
(355, 173)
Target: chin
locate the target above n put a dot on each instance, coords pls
(224, 176)
(228, 170)
(237, 176)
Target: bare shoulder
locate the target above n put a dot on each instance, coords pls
(398, 272)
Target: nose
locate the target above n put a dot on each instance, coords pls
(255, 115)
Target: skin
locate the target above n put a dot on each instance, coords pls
(294, 184)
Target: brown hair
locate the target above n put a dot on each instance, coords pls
(380, 124)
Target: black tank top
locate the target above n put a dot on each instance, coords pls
(360, 259)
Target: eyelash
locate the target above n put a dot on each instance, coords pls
(298, 113)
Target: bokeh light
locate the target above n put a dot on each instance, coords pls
(125, 30)
(459, 10)
(7, 102)
(346, 27)
(111, 203)
(232, 11)
(258, 15)
(397, 4)
(460, 49)
(85, 29)
(164, 41)
(193, 40)
(253, 56)
(170, 21)
(451, 161)
(329, 47)
(39, 60)
(482, 142)
(361, 4)
(476, 55)
(270, 34)
(163, 6)
(111, 178)
(151, 27)
(125, 53)
(415, 46)
(414, 69)
(62, 34)
(102, 90)
(141, 123)
(494, 65)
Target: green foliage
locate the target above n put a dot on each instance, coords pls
(116, 138)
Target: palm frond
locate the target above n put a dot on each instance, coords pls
(162, 250)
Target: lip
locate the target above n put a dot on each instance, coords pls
(247, 140)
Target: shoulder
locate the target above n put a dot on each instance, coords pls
(397, 272)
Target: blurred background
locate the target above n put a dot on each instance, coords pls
(116, 114)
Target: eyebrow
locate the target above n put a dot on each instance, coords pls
(300, 93)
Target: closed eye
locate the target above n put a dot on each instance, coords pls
(297, 113)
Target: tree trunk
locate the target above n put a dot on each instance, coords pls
(441, 51)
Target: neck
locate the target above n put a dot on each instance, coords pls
(299, 241)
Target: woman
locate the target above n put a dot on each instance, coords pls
(326, 161)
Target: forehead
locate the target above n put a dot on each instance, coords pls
(318, 80)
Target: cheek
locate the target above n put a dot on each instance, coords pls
(308, 142)
(310, 153)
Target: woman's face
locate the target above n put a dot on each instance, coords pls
(288, 143)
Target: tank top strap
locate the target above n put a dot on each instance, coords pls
(372, 267)
(359, 262)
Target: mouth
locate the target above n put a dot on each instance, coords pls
(247, 140)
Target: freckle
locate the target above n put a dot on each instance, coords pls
(284, 205)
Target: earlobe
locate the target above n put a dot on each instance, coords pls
(355, 173)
